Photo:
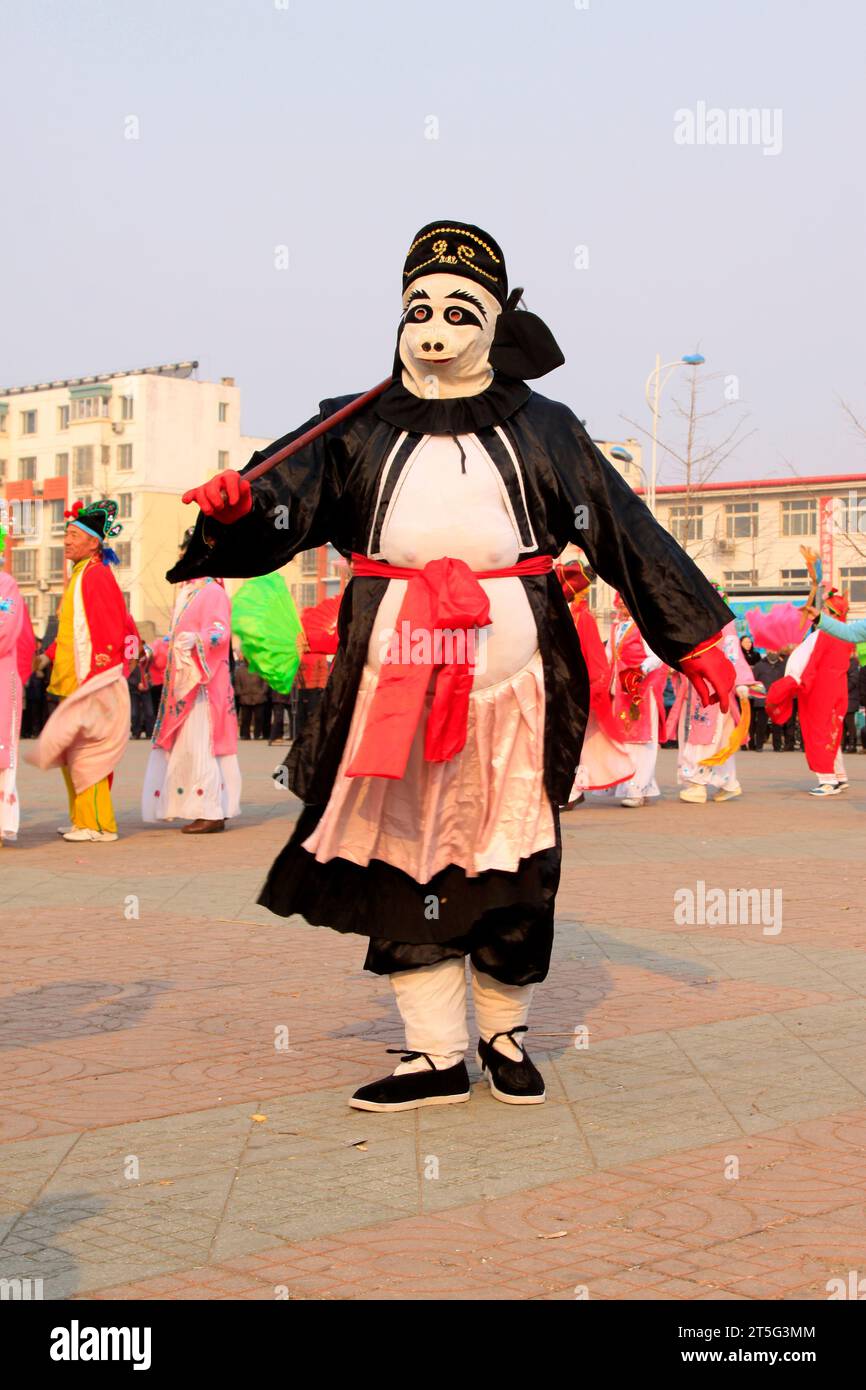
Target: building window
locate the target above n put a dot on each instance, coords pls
(800, 517)
(853, 579)
(82, 466)
(124, 504)
(127, 408)
(30, 605)
(53, 604)
(4, 411)
(686, 523)
(27, 470)
(795, 579)
(223, 459)
(63, 417)
(741, 520)
(127, 599)
(305, 595)
(56, 564)
(28, 422)
(56, 519)
(741, 579)
(309, 562)
(223, 412)
(124, 458)
(124, 554)
(2, 469)
(61, 465)
(335, 564)
(24, 565)
(90, 408)
(105, 455)
(852, 513)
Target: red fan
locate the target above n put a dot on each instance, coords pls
(26, 647)
(320, 626)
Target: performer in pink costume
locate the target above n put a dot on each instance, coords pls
(193, 772)
(704, 733)
(604, 760)
(636, 685)
(17, 645)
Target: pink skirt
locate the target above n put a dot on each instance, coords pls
(486, 809)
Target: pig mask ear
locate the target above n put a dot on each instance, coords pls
(523, 345)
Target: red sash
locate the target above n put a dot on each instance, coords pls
(443, 597)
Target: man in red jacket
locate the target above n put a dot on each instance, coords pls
(89, 729)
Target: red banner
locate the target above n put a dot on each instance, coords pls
(826, 526)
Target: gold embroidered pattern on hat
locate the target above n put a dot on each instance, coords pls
(465, 254)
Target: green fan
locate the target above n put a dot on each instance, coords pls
(266, 623)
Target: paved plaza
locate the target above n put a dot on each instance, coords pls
(176, 1063)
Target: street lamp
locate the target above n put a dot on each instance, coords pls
(690, 359)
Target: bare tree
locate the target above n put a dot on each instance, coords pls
(706, 437)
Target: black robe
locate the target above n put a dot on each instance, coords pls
(563, 490)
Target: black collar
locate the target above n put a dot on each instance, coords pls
(460, 415)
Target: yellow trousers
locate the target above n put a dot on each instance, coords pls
(92, 808)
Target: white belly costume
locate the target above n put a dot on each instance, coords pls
(486, 808)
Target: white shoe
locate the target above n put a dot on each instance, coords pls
(728, 794)
(697, 792)
(78, 836)
(65, 829)
(633, 801)
(826, 789)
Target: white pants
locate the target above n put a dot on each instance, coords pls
(644, 757)
(432, 1004)
(838, 774)
(10, 811)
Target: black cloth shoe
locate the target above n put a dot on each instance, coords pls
(517, 1083)
(411, 1089)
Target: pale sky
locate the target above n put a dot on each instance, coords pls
(304, 124)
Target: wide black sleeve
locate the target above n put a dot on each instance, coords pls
(294, 508)
(673, 603)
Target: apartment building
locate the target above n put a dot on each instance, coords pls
(141, 437)
(747, 535)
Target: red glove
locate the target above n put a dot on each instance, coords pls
(710, 671)
(779, 703)
(226, 497)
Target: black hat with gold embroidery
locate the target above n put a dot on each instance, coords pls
(457, 248)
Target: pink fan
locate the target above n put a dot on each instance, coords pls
(783, 626)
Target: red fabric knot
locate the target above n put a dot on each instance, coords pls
(444, 605)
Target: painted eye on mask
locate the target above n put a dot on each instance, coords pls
(419, 313)
(461, 318)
